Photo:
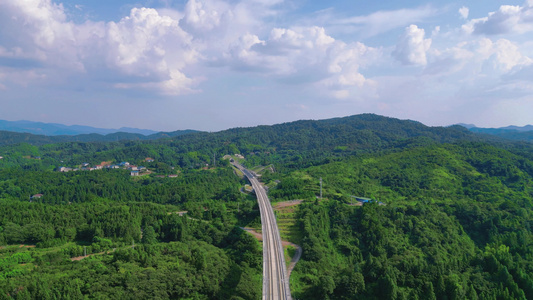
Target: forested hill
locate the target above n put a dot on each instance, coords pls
(293, 145)
(310, 141)
(507, 133)
(453, 217)
(366, 131)
(11, 138)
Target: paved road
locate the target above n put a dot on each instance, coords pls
(275, 279)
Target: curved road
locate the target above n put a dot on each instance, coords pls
(275, 279)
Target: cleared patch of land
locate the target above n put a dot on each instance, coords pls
(286, 219)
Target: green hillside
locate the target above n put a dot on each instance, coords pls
(455, 224)
(454, 220)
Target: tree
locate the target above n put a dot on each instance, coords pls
(149, 236)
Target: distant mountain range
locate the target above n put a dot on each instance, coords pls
(10, 138)
(507, 128)
(524, 133)
(304, 131)
(360, 131)
(37, 133)
(53, 129)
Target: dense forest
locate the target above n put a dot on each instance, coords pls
(144, 247)
(452, 216)
(455, 223)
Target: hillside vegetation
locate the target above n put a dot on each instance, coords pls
(454, 222)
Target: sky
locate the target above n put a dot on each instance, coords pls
(215, 64)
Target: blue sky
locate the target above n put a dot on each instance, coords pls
(217, 64)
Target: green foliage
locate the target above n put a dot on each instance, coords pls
(198, 255)
(456, 224)
(174, 270)
(149, 236)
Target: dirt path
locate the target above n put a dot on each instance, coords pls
(21, 246)
(284, 204)
(296, 257)
(85, 256)
(180, 213)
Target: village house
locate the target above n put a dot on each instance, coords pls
(104, 164)
(134, 170)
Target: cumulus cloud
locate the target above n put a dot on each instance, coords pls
(502, 55)
(156, 49)
(507, 19)
(148, 45)
(204, 16)
(481, 57)
(144, 47)
(412, 47)
(33, 29)
(303, 55)
(215, 24)
(463, 11)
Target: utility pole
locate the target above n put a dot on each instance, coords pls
(320, 187)
(214, 161)
(84, 250)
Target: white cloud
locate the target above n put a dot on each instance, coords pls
(157, 49)
(218, 23)
(383, 21)
(145, 47)
(507, 19)
(412, 47)
(303, 55)
(448, 61)
(204, 16)
(148, 45)
(503, 55)
(463, 11)
(35, 29)
(479, 58)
